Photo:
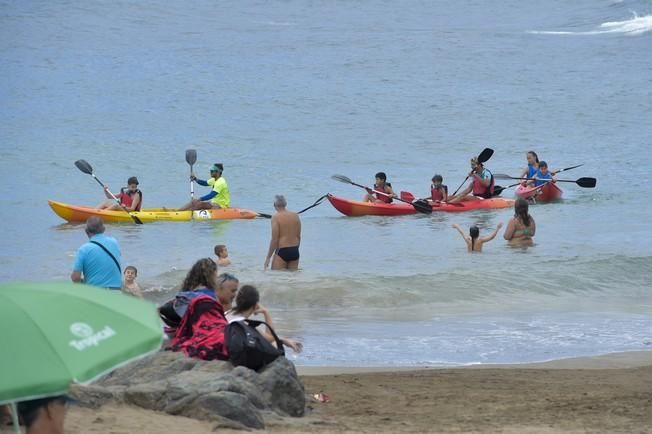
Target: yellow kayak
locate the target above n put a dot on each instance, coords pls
(75, 213)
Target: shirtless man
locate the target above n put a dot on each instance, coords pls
(286, 237)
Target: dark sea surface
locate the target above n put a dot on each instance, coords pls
(288, 93)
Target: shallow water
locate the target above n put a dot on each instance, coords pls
(286, 94)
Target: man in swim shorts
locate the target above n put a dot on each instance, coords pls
(286, 237)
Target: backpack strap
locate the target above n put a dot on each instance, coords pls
(255, 323)
(110, 254)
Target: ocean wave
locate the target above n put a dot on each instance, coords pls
(587, 283)
(634, 26)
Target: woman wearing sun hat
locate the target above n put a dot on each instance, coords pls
(218, 197)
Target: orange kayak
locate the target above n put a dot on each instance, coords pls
(356, 208)
(74, 213)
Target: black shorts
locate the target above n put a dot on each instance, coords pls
(288, 253)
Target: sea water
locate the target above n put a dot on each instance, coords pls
(286, 94)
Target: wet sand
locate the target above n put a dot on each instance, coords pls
(611, 393)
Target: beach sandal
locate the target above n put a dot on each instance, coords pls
(321, 397)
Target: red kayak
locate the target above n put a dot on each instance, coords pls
(356, 208)
(547, 192)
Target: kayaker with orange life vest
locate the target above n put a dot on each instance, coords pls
(130, 197)
(382, 186)
(482, 185)
(438, 191)
(219, 197)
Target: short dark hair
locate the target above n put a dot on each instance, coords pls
(28, 410)
(131, 267)
(437, 178)
(219, 248)
(543, 164)
(247, 297)
(132, 180)
(381, 175)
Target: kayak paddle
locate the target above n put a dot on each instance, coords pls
(419, 206)
(566, 168)
(406, 195)
(484, 156)
(191, 158)
(582, 182)
(88, 169)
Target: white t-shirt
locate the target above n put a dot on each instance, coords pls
(232, 316)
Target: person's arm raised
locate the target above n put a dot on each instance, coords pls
(493, 234)
(459, 229)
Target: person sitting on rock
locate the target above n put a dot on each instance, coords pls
(247, 303)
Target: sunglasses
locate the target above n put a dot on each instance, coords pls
(226, 277)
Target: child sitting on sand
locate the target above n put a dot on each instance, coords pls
(222, 255)
(473, 241)
(129, 286)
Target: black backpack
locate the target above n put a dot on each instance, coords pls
(247, 347)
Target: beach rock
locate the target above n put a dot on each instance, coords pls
(209, 390)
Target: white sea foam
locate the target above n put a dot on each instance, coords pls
(633, 26)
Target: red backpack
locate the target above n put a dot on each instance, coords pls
(201, 332)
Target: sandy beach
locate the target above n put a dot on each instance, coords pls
(610, 393)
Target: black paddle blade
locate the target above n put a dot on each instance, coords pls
(568, 168)
(191, 156)
(84, 166)
(422, 206)
(498, 189)
(342, 178)
(485, 155)
(586, 182)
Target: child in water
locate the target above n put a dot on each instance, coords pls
(473, 241)
(222, 254)
(129, 286)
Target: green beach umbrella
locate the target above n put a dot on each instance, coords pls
(55, 334)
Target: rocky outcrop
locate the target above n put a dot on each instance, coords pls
(209, 390)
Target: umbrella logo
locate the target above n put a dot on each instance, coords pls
(87, 336)
(81, 330)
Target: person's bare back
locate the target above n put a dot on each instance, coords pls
(286, 238)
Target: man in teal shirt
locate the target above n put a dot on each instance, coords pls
(97, 262)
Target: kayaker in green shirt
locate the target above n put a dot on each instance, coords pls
(218, 197)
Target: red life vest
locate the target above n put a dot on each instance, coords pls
(382, 197)
(436, 194)
(126, 198)
(481, 190)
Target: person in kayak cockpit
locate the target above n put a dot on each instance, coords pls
(381, 186)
